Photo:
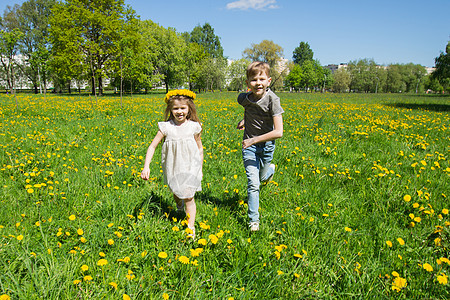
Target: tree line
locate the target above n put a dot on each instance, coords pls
(103, 44)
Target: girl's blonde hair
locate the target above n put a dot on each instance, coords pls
(192, 114)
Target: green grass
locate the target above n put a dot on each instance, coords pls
(344, 166)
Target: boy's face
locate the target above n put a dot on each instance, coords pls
(258, 84)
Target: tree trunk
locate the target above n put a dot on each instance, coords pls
(100, 85)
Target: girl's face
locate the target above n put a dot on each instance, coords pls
(179, 111)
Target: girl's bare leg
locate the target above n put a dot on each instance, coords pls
(179, 202)
(191, 211)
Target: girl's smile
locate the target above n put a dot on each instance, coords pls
(180, 111)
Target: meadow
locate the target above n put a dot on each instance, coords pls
(358, 207)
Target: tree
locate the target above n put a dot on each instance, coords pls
(90, 30)
(210, 74)
(205, 36)
(442, 72)
(237, 74)
(302, 53)
(10, 37)
(266, 51)
(342, 80)
(394, 82)
(33, 21)
(194, 56)
(308, 76)
(170, 49)
(271, 53)
(295, 77)
(365, 76)
(9, 42)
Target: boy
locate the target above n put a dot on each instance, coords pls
(262, 125)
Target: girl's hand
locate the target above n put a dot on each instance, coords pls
(145, 174)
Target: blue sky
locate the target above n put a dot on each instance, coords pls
(394, 31)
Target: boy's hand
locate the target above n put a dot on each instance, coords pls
(247, 143)
(240, 125)
(145, 174)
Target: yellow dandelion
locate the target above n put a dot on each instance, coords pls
(401, 241)
(389, 243)
(19, 237)
(184, 259)
(445, 211)
(407, 198)
(213, 238)
(77, 281)
(102, 262)
(72, 217)
(428, 267)
(80, 231)
(442, 278)
(399, 283)
(126, 297)
(165, 296)
(87, 278)
(113, 284)
(277, 254)
(162, 255)
(84, 268)
(348, 229)
(202, 242)
(110, 242)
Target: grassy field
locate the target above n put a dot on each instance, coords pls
(358, 207)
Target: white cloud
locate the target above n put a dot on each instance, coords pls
(253, 4)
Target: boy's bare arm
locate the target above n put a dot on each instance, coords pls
(241, 125)
(276, 133)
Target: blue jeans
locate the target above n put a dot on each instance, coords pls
(257, 159)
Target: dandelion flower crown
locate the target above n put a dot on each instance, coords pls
(185, 93)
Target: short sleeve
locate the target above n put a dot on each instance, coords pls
(276, 105)
(241, 98)
(163, 127)
(197, 127)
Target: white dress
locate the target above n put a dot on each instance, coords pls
(180, 158)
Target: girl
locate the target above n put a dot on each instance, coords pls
(182, 152)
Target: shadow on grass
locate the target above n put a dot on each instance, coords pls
(156, 205)
(423, 106)
(228, 201)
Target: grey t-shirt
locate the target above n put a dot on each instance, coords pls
(258, 116)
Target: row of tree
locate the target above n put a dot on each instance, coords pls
(365, 75)
(78, 43)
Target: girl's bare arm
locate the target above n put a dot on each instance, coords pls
(150, 151)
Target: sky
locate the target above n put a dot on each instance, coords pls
(338, 31)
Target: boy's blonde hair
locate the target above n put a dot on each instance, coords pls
(257, 67)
